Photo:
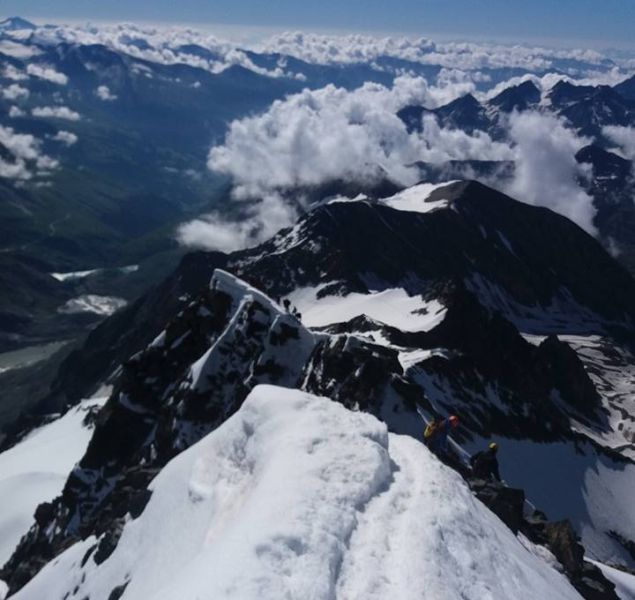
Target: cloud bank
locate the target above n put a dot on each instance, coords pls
(172, 45)
(547, 172)
(329, 134)
(333, 134)
(162, 45)
(351, 49)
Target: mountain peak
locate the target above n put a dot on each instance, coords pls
(565, 92)
(465, 101)
(626, 89)
(16, 24)
(518, 97)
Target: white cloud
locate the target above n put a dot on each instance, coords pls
(14, 91)
(165, 45)
(56, 112)
(21, 145)
(546, 171)
(26, 153)
(17, 50)
(46, 163)
(324, 135)
(351, 49)
(624, 137)
(331, 133)
(15, 170)
(162, 45)
(103, 93)
(261, 221)
(10, 72)
(15, 112)
(47, 73)
(66, 137)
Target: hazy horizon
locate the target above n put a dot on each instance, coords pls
(603, 28)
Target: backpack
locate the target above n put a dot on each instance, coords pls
(474, 458)
(430, 430)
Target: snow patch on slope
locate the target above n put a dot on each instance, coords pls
(92, 303)
(415, 198)
(412, 199)
(394, 307)
(296, 497)
(35, 470)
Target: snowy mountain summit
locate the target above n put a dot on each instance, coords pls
(295, 496)
(263, 434)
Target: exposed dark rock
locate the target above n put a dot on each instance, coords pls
(44, 513)
(506, 503)
(351, 371)
(559, 537)
(88, 554)
(628, 545)
(564, 368)
(108, 542)
(564, 544)
(586, 578)
(517, 97)
(118, 592)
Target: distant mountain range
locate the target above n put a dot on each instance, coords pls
(118, 128)
(588, 110)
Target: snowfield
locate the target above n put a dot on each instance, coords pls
(393, 307)
(412, 199)
(92, 303)
(35, 471)
(415, 198)
(296, 497)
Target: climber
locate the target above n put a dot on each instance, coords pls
(436, 437)
(485, 464)
(430, 430)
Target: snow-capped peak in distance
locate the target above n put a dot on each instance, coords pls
(16, 24)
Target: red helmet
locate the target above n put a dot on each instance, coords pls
(454, 420)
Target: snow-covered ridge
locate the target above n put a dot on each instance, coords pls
(247, 299)
(295, 496)
(239, 289)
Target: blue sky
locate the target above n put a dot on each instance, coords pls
(561, 22)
